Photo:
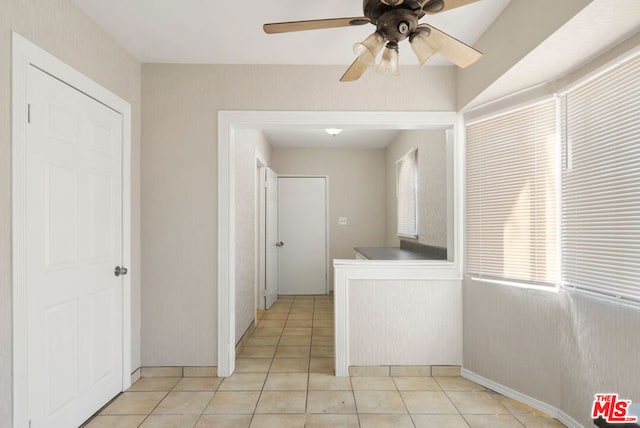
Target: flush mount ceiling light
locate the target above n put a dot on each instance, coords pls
(395, 21)
(333, 131)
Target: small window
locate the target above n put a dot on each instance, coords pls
(407, 194)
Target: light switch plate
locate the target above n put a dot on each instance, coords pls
(342, 221)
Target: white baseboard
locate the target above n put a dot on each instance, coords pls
(524, 399)
(135, 376)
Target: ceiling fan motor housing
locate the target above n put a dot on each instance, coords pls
(396, 22)
(374, 9)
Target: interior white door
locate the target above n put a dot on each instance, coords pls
(74, 242)
(302, 229)
(271, 241)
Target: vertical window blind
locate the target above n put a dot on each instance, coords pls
(512, 207)
(407, 194)
(601, 184)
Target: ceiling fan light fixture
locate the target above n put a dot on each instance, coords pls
(368, 49)
(389, 64)
(421, 46)
(333, 131)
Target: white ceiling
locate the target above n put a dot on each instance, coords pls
(216, 32)
(318, 138)
(230, 32)
(595, 29)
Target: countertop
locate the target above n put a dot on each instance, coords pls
(408, 250)
(393, 253)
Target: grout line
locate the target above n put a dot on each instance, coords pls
(317, 305)
(155, 407)
(412, 420)
(306, 398)
(401, 398)
(355, 403)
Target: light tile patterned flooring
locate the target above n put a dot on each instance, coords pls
(284, 378)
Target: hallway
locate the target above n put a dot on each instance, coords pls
(284, 378)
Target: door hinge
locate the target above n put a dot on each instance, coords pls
(28, 113)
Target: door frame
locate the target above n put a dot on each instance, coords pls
(326, 218)
(229, 121)
(259, 217)
(270, 252)
(24, 55)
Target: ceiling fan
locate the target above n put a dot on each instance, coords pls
(395, 20)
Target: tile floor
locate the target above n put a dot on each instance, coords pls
(284, 378)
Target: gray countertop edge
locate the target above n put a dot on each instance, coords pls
(393, 253)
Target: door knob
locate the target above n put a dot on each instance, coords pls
(120, 270)
(280, 244)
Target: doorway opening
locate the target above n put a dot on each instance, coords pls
(229, 123)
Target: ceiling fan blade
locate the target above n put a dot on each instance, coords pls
(317, 24)
(355, 71)
(437, 6)
(451, 48)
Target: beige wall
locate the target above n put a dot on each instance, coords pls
(521, 27)
(432, 185)
(248, 142)
(60, 28)
(404, 322)
(357, 191)
(6, 349)
(179, 177)
(560, 348)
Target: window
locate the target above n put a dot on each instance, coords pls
(601, 184)
(407, 194)
(512, 209)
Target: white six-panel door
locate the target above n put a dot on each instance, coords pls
(73, 242)
(302, 228)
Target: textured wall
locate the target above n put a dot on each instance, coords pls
(179, 176)
(432, 185)
(60, 28)
(559, 348)
(405, 322)
(249, 141)
(6, 374)
(512, 336)
(600, 349)
(357, 191)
